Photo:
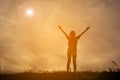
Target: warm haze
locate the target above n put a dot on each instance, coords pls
(30, 38)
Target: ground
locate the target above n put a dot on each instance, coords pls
(62, 76)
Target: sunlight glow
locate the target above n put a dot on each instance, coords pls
(30, 12)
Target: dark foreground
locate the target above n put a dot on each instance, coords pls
(62, 76)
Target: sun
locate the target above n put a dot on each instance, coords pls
(29, 12)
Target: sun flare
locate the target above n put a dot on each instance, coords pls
(30, 12)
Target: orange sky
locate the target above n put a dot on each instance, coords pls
(37, 42)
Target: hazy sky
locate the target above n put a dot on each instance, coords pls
(36, 42)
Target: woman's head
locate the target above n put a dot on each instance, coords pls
(72, 33)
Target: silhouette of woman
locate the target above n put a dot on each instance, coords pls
(72, 47)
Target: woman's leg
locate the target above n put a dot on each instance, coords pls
(68, 60)
(74, 61)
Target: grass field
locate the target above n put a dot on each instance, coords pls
(62, 76)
